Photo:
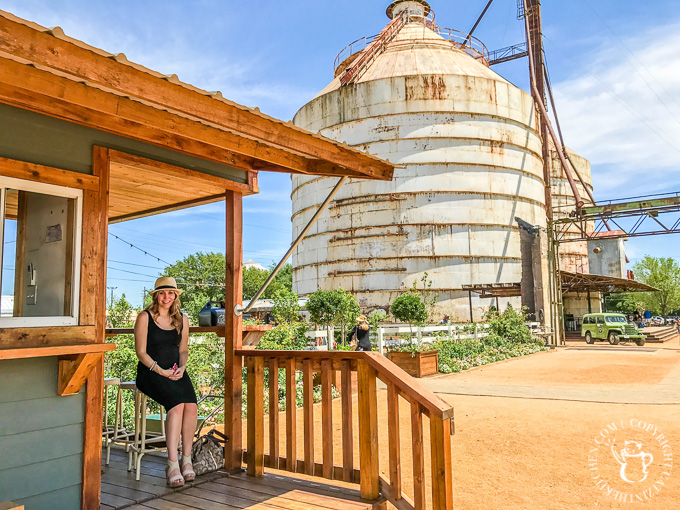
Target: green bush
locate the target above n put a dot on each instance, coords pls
(286, 337)
(508, 336)
(409, 308)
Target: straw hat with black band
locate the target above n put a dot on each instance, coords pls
(166, 283)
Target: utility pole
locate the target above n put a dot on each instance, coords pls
(111, 289)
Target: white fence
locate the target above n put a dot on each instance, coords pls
(389, 335)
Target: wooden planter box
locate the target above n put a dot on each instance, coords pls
(417, 364)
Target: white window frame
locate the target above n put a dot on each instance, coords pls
(59, 191)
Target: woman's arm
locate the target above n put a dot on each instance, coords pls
(183, 349)
(184, 343)
(141, 328)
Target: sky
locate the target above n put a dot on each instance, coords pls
(613, 65)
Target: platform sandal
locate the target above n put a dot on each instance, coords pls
(174, 481)
(188, 469)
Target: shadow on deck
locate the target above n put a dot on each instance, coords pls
(219, 491)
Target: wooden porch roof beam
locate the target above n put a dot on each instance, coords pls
(67, 58)
(38, 90)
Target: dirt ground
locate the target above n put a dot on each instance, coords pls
(538, 453)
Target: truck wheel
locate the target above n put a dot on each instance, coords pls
(640, 341)
(589, 338)
(613, 338)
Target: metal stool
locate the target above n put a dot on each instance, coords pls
(108, 430)
(144, 441)
(120, 434)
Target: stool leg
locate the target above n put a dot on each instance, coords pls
(136, 433)
(140, 453)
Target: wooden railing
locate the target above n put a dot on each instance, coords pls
(369, 368)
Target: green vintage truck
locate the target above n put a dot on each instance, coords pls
(609, 326)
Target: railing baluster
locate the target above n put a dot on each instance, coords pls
(347, 431)
(368, 431)
(418, 456)
(274, 413)
(327, 416)
(291, 414)
(308, 413)
(440, 444)
(255, 418)
(394, 439)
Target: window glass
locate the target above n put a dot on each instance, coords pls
(600, 319)
(614, 318)
(37, 257)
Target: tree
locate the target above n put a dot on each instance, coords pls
(253, 278)
(121, 314)
(201, 277)
(322, 305)
(347, 312)
(409, 308)
(663, 274)
(286, 307)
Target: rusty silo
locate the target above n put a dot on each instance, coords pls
(573, 255)
(471, 156)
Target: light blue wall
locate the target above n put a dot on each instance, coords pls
(41, 437)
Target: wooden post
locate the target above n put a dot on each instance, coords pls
(291, 415)
(368, 431)
(347, 431)
(255, 416)
(418, 457)
(93, 312)
(233, 331)
(308, 414)
(327, 417)
(442, 482)
(394, 440)
(274, 413)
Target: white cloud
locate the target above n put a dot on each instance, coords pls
(612, 115)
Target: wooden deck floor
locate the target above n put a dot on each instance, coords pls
(219, 491)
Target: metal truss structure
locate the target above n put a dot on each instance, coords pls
(647, 217)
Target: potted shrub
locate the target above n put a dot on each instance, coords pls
(411, 358)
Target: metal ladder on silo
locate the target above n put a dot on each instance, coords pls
(374, 49)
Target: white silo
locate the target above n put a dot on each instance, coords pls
(471, 156)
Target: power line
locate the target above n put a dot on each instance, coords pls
(139, 249)
(170, 238)
(133, 264)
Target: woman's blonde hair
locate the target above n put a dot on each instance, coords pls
(175, 312)
(364, 326)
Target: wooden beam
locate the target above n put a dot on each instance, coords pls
(93, 253)
(45, 336)
(43, 92)
(92, 452)
(207, 181)
(291, 417)
(233, 331)
(167, 208)
(54, 350)
(74, 372)
(47, 174)
(93, 312)
(128, 79)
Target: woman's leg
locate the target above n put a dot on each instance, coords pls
(189, 420)
(173, 427)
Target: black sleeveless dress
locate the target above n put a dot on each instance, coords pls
(163, 346)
